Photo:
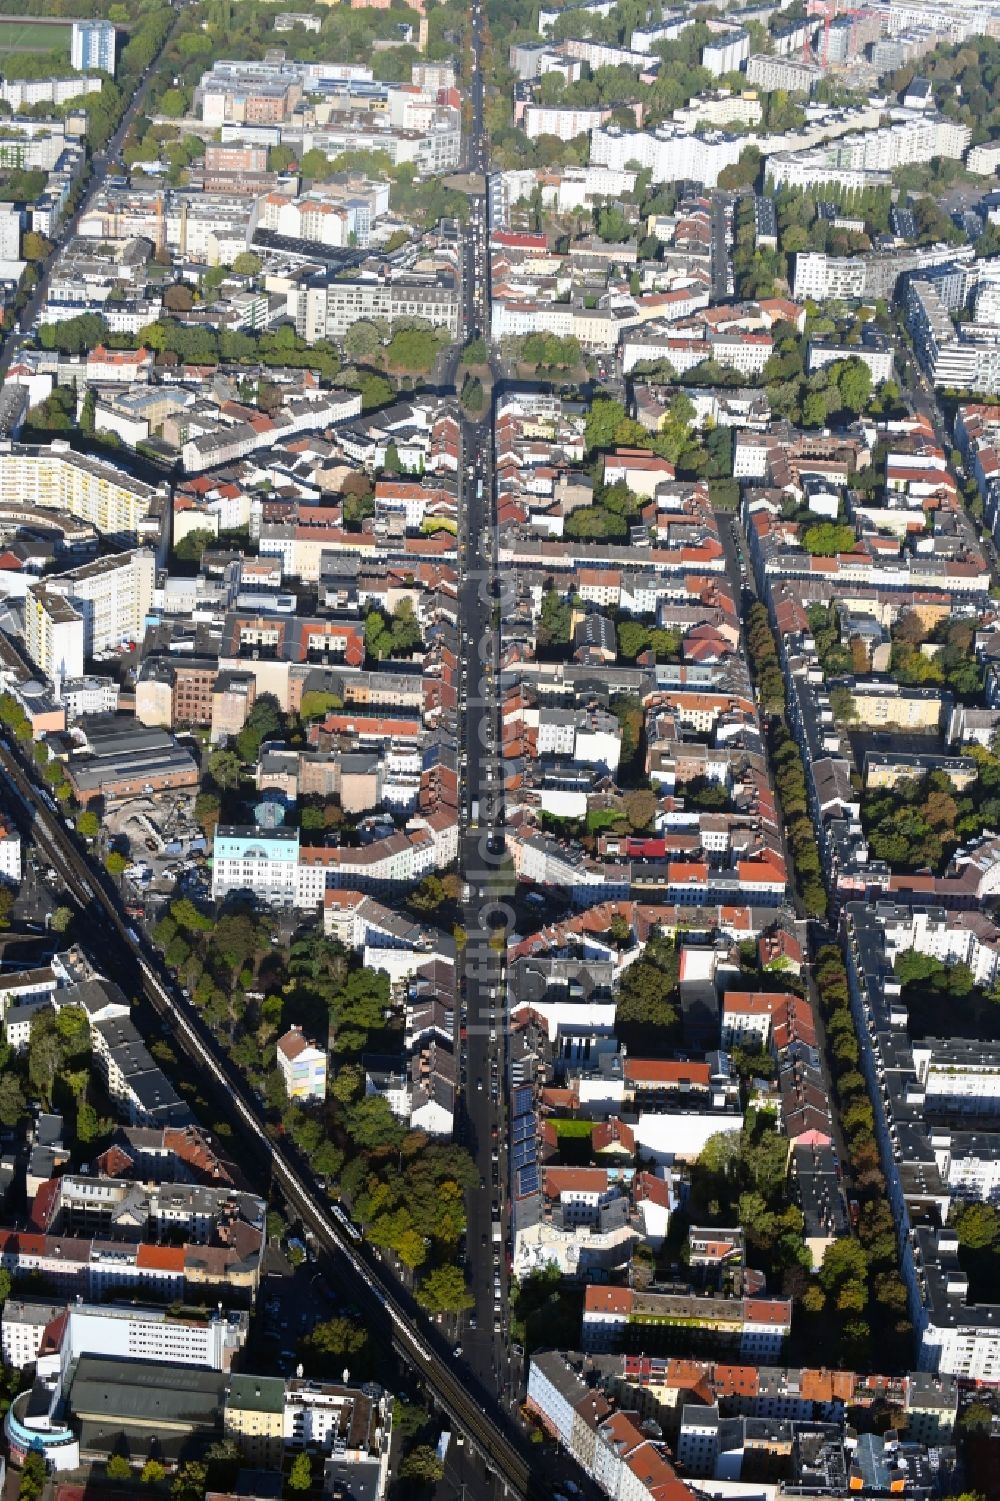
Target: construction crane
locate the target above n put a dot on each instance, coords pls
(827, 11)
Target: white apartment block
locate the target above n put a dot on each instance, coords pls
(852, 159)
(950, 937)
(25, 1321)
(10, 853)
(324, 217)
(22, 93)
(595, 328)
(564, 190)
(670, 154)
(726, 53)
(95, 608)
(846, 277)
(968, 358)
(11, 221)
(320, 1416)
(985, 159)
(153, 1334)
(540, 120)
(820, 167)
(969, 1162)
(879, 361)
(789, 73)
(261, 861)
(302, 1066)
(721, 108)
(962, 1078)
(644, 39)
(89, 489)
(328, 312)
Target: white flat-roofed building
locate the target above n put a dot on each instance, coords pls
(261, 861)
(10, 853)
(208, 1340)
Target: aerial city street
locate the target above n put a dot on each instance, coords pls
(500, 750)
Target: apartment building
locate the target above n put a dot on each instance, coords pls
(726, 52)
(767, 72)
(96, 608)
(564, 123)
(966, 356)
(876, 274)
(92, 47)
(138, 1332)
(212, 227)
(249, 93)
(255, 1417)
(913, 1129)
(329, 215)
(10, 853)
(22, 93)
(756, 1327)
(863, 159)
(350, 1427)
(984, 160)
(302, 1066)
(122, 509)
(875, 351)
(262, 861)
(329, 311)
(670, 153)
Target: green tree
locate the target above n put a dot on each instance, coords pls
(173, 103)
(87, 824)
(300, 1474)
(190, 1482)
(854, 382)
(554, 620)
(225, 768)
(316, 704)
(827, 538)
(609, 426)
(280, 158)
(35, 247)
(118, 1468)
(115, 863)
(12, 1101)
(977, 1226)
(371, 1124)
(88, 411)
(444, 1290)
(336, 1343)
(315, 165)
(421, 1467)
(247, 263)
(362, 342)
(33, 1477)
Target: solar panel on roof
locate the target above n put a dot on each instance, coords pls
(528, 1181)
(522, 1101)
(524, 1152)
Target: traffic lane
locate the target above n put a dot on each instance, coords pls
(733, 545)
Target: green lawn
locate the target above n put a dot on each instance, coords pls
(20, 35)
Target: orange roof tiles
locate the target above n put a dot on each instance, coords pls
(160, 1258)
